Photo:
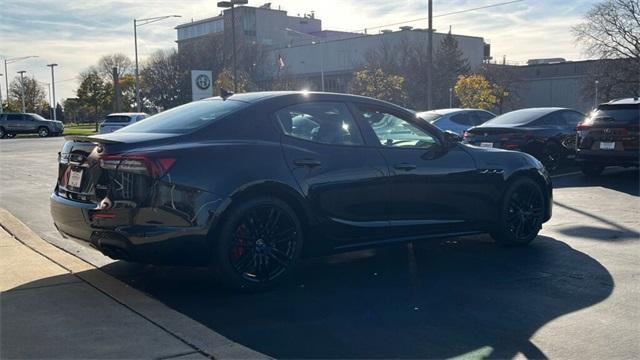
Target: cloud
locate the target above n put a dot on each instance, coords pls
(75, 34)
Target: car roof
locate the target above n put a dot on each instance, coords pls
(625, 101)
(254, 97)
(126, 114)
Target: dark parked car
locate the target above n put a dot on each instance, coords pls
(12, 124)
(456, 120)
(546, 133)
(250, 183)
(609, 136)
(117, 121)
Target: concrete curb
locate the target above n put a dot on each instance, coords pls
(191, 332)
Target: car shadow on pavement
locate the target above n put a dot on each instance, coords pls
(618, 179)
(428, 300)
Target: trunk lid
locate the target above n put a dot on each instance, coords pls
(82, 178)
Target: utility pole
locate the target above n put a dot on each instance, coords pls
(1, 108)
(595, 105)
(230, 5)
(430, 59)
(135, 41)
(6, 74)
(450, 98)
(53, 88)
(116, 89)
(21, 72)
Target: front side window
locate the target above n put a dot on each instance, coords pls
(462, 119)
(393, 131)
(322, 122)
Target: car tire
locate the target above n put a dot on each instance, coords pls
(3, 133)
(258, 245)
(10, 135)
(521, 213)
(592, 170)
(43, 131)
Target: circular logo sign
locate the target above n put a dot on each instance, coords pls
(203, 82)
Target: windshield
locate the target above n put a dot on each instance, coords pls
(516, 118)
(37, 117)
(185, 118)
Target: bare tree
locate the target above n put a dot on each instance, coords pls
(120, 61)
(164, 83)
(611, 30)
(34, 94)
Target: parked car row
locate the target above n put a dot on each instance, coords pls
(12, 124)
(607, 137)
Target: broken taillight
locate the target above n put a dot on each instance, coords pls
(137, 164)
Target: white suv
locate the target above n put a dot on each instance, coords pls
(117, 121)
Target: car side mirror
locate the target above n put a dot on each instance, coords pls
(452, 137)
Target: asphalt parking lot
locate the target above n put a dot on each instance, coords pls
(573, 293)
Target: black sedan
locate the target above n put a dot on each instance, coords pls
(546, 133)
(249, 183)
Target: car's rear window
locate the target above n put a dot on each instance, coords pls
(188, 117)
(618, 113)
(517, 118)
(429, 116)
(117, 119)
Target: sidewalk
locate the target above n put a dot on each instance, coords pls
(54, 305)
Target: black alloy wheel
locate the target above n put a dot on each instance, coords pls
(522, 213)
(43, 131)
(260, 244)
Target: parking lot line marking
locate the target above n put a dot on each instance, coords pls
(566, 174)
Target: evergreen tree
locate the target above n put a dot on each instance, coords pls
(448, 63)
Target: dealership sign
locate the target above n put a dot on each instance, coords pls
(201, 84)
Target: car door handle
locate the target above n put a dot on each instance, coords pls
(405, 166)
(307, 162)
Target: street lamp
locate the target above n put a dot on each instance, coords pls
(9, 61)
(230, 4)
(136, 24)
(53, 87)
(21, 72)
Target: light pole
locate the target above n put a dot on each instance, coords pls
(136, 24)
(450, 98)
(595, 105)
(321, 64)
(10, 61)
(21, 72)
(230, 5)
(53, 87)
(430, 57)
(1, 107)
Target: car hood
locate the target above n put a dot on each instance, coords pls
(495, 158)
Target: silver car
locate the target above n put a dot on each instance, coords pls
(117, 121)
(456, 120)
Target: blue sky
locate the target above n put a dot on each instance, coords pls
(76, 33)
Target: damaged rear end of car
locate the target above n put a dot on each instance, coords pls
(116, 193)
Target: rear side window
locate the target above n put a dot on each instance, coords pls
(552, 119)
(188, 117)
(462, 119)
(482, 117)
(322, 122)
(117, 119)
(572, 118)
(14, 117)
